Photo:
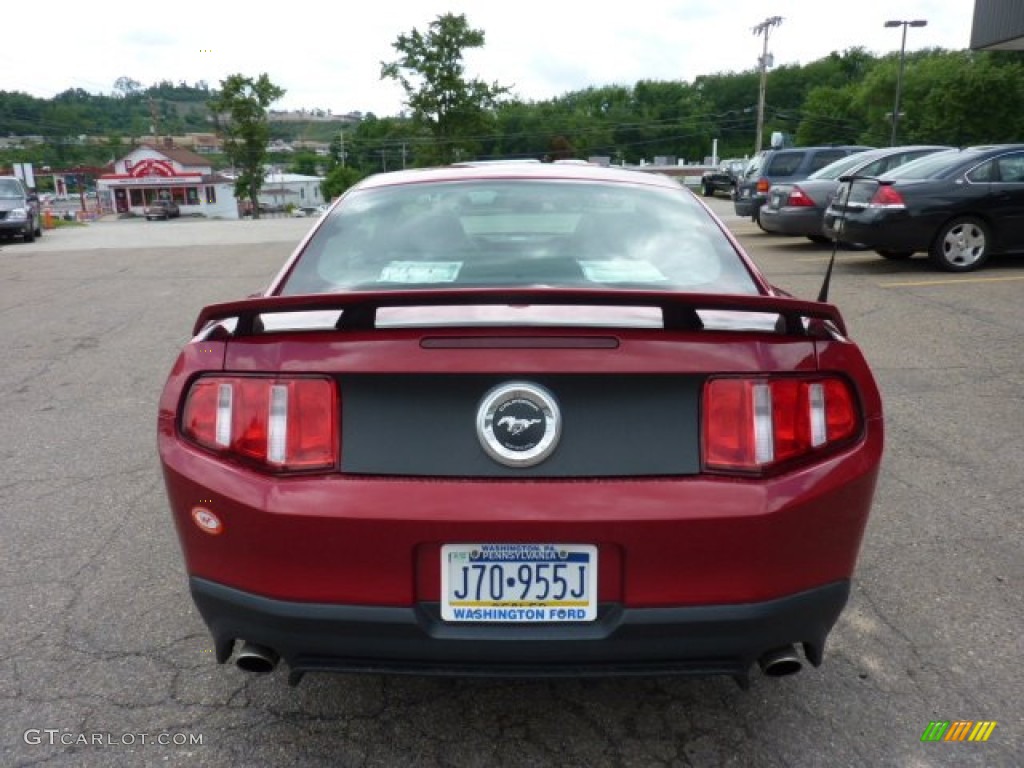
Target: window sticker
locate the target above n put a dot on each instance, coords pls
(420, 272)
(621, 271)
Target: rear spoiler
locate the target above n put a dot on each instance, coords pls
(679, 310)
(855, 177)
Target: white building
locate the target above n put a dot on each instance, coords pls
(283, 189)
(167, 173)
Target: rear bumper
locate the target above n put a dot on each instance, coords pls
(881, 230)
(698, 640)
(791, 221)
(748, 206)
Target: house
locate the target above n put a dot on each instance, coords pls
(150, 173)
(283, 189)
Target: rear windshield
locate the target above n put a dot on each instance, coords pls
(784, 164)
(930, 166)
(511, 232)
(836, 169)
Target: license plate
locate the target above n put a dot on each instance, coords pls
(744, 193)
(518, 583)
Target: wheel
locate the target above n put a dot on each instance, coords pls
(39, 228)
(709, 191)
(29, 234)
(961, 245)
(820, 239)
(894, 255)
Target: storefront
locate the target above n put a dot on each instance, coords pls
(147, 174)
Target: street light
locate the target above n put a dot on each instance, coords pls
(899, 76)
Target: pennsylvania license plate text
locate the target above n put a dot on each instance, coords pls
(518, 582)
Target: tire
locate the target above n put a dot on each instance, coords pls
(819, 239)
(961, 245)
(29, 234)
(894, 255)
(709, 191)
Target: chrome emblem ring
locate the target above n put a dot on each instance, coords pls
(518, 424)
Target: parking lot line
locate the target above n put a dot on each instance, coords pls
(952, 281)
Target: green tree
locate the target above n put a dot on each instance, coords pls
(455, 110)
(304, 163)
(830, 116)
(240, 111)
(338, 180)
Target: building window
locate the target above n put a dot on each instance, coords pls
(211, 195)
(137, 200)
(192, 196)
(178, 195)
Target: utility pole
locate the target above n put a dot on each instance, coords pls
(154, 116)
(764, 28)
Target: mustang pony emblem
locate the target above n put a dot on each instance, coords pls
(515, 426)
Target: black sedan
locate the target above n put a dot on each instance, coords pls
(958, 206)
(799, 208)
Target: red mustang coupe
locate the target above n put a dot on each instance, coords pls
(520, 419)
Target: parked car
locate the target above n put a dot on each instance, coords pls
(19, 210)
(520, 420)
(780, 166)
(798, 208)
(959, 206)
(161, 209)
(723, 178)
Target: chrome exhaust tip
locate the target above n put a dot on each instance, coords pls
(780, 662)
(256, 658)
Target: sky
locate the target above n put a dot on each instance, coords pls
(327, 55)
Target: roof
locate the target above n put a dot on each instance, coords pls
(278, 178)
(181, 156)
(519, 170)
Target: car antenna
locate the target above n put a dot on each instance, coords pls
(823, 292)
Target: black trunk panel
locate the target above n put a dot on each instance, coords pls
(612, 426)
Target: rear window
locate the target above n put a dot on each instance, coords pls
(519, 233)
(820, 159)
(930, 166)
(784, 164)
(836, 168)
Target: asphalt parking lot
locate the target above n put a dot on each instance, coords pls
(104, 658)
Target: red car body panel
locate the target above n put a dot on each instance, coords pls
(363, 540)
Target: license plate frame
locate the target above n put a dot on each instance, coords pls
(475, 577)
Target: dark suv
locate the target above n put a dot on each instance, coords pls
(776, 166)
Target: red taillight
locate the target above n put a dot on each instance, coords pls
(751, 424)
(799, 199)
(887, 197)
(282, 423)
(763, 185)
